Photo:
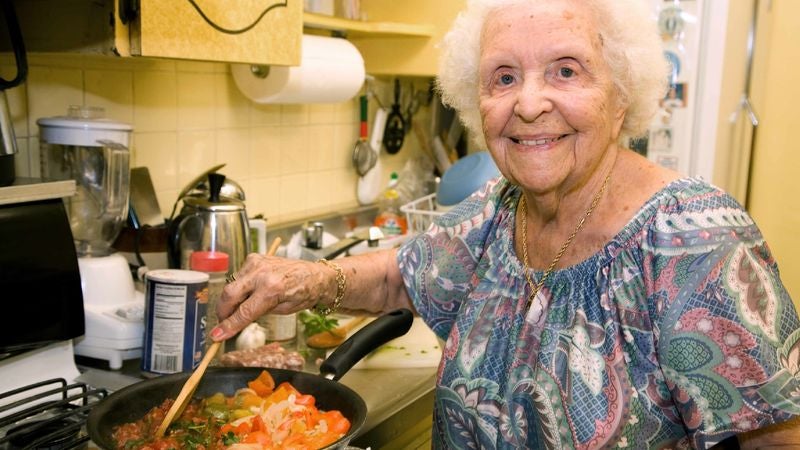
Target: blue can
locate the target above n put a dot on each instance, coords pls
(176, 302)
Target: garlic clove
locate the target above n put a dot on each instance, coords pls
(253, 336)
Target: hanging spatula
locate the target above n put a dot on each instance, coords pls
(395, 124)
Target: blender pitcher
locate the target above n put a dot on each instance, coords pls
(94, 152)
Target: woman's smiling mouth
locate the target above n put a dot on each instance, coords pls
(539, 141)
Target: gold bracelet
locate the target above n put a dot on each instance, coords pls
(341, 286)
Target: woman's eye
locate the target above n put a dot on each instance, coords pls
(566, 72)
(506, 79)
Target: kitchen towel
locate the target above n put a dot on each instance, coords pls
(331, 70)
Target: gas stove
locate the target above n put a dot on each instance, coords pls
(49, 414)
(43, 405)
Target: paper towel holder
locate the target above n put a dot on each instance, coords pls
(336, 58)
(260, 71)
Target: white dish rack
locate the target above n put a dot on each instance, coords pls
(420, 213)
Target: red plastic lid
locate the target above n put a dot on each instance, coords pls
(209, 261)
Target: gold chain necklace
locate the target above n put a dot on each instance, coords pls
(535, 287)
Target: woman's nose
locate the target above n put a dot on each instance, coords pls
(533, 99)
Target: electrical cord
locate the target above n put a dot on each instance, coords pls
(18, 45)
(239, 30)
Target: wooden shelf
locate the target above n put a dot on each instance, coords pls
(357, 28)
(34, 189)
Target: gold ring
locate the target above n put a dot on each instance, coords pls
(230, 278)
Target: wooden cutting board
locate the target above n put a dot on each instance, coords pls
(418, 348)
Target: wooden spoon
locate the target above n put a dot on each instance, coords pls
(334, 337)
(274, 246)
(191, 384)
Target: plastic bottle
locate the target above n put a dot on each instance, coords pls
(391, 221)
(215, 264)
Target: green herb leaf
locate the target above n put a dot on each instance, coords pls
(315, 323)
(229, 438)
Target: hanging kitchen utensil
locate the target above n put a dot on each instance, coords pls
(395, 124)
(411, 106)
(370, 185)
(363, 155)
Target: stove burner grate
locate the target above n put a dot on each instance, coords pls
(50, 415)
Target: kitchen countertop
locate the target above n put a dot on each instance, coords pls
(388, 392)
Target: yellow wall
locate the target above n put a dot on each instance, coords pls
(774, 199)
(733, 140)
(406, 56)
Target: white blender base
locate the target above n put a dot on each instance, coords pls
(113, 356)
(114, 311)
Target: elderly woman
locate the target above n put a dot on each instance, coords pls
(588, 297)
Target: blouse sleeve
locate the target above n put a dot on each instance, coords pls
(438, 266)
(728, 333)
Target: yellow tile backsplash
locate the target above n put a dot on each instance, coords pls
(291, 160)
(196, 106)
(156, 150)
(155, 101)
(50, 91)
(112, 91)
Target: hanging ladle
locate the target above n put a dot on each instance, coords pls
(395, 124)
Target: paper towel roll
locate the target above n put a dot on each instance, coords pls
(331, 70)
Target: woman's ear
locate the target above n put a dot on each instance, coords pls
(619, 116)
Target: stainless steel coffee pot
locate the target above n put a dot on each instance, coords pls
(212, 223)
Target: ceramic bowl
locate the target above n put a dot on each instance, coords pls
(464, 177)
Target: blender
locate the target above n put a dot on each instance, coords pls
(85, 147)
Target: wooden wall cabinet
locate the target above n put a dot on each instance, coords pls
(254, 31)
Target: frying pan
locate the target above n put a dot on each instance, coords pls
(133, 402)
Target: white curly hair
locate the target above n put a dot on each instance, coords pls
(631, 46)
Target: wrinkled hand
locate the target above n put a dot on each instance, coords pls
(269, 284)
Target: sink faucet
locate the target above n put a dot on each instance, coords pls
(313, 249)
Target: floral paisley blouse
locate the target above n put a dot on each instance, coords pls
(677, 334)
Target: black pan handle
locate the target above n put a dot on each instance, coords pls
(373, 335)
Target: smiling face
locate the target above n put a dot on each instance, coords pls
(547, 100)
